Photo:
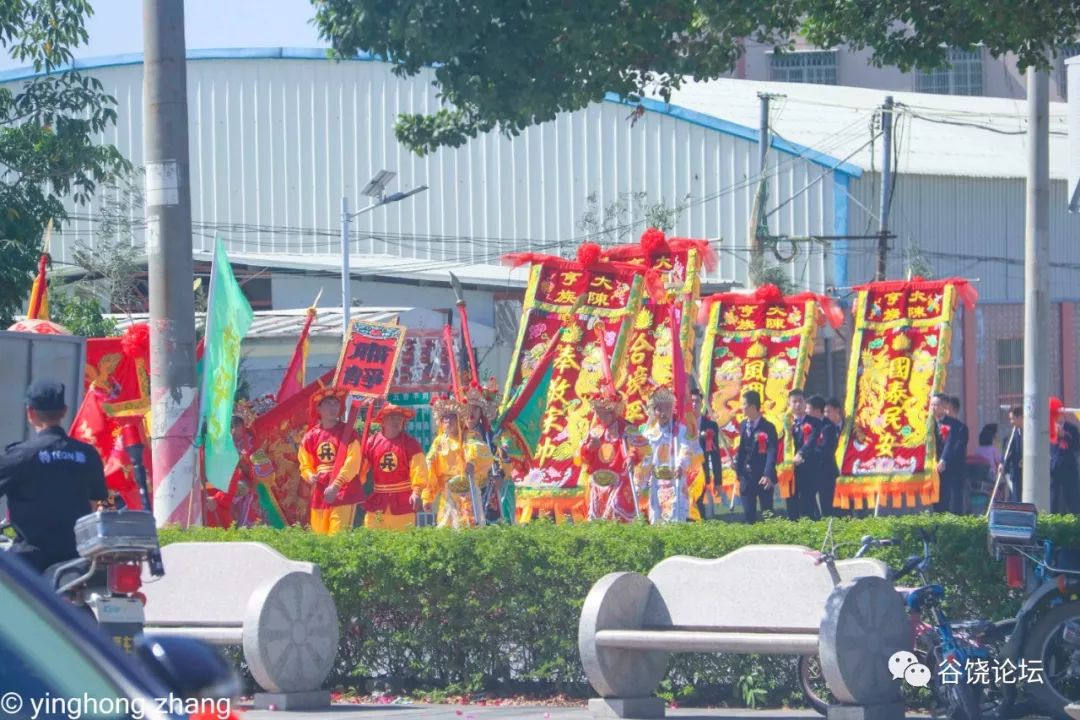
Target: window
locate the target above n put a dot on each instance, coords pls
(1061, 73)
(1010, 364)
(817, 67)
(963, 75)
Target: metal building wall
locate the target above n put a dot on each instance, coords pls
(967, 227)
(276, 142)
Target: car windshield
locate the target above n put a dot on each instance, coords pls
(44, 672)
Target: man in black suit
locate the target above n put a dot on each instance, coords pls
(709, 438)
(1014, 453)
(965, 431)
(755, 462)
(803, 431)
(951, 456)
(826, 470)
(1064, 471)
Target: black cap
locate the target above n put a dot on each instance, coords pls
(45, 395)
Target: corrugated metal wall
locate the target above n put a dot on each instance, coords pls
(968, 227)
(275, 143)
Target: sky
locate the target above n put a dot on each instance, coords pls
(116, 26)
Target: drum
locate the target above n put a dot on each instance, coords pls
(664, 472)
(459, 484)
(604, 478)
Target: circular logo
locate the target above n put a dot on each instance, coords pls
(388, 462)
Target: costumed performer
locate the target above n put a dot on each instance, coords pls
(237, 503)
(481, 408)
(665, 467)
(329, 458)
(458, 465)
(399, 471)
(605, 460)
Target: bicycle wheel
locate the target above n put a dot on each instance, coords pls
(812, 683)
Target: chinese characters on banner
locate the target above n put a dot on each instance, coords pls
(758, 341)
(424, 365)
(603, 294)
(369, 358)
(649, 349)
(123, 378)
(900, 352)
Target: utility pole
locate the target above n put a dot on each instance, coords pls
(174, 407)
(759, 225)
(886, 188)
(346, 273)
(1037, 295)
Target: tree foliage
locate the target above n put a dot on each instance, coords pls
(48, 131)
(81, 314)
(509, 64)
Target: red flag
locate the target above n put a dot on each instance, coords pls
(294, 379)
(94, 426)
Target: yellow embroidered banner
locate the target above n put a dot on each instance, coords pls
(758, 341)
(899, 356)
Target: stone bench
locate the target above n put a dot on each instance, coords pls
(760, 599)
(248, 594)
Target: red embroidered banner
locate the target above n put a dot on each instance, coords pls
(605, 294)
(122, 378)
(900, 353)
(276, 436)
(369, 358)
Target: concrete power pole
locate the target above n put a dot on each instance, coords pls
(886, 188)
(1037, 295)
(758, 224)
(174, 406)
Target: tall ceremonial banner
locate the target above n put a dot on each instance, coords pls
(276, 436)
(900, 353)
(119, 368)
(589, 292)
(649, 349)
(759, 341)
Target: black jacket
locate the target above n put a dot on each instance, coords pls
(827, 440)
(1063, 463)
(951, 444)
(1014, 452)
(750, 463)
(50, 481)
(804, 435)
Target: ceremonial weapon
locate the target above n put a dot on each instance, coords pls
(1000, 475)
(466, 338)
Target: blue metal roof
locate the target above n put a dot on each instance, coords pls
(286, 53)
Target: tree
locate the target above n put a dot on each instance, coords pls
(509, 64)
(80, 314)
(48, 132)
(619, 219)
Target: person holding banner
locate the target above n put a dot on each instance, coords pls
(665, 467)
(605, 461)
(399, 470)
(329, 458)
(458, 466)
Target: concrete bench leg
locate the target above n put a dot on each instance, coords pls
(625, 679)
(290, 642)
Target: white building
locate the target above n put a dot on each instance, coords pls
(279, 136)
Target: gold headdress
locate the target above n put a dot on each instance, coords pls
(484, 397)
(445, 405)
(660, 395)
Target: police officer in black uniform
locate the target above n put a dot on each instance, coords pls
(50, 481)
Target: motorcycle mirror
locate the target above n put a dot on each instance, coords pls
(189, 666)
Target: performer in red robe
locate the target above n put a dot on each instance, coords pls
(605, 461)
(329, 458)
(399, 470)
(235, 505)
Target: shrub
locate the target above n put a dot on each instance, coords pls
(496, 609)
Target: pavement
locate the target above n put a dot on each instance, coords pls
(421, 711)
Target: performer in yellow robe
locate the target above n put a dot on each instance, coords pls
(335, 490)
(456, 455)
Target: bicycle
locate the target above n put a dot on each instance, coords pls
(937, 643)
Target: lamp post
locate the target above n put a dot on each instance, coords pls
(374, 189)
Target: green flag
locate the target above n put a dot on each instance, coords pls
(523, 418)
(228, 317)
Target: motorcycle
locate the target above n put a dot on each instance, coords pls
(1045, 633)
(113, 546)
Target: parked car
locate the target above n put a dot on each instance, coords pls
(58, 663)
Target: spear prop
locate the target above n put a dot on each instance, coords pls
(466, 338)
(448, 338)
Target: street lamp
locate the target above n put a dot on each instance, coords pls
(374, 189)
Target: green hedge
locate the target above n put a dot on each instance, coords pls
(496, 609)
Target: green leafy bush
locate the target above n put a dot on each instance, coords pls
(496, 609)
